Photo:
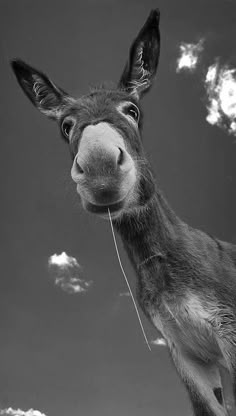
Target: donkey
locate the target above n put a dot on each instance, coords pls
(186, 279)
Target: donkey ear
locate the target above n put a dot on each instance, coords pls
(141, 67)
(42, 92)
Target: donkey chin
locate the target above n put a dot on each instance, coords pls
(116, 201)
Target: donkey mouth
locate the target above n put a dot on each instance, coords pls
(103, 209)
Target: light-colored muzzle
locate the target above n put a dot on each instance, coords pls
(103, 169)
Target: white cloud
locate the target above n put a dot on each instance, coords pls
(159, 341)
(189, 56)
(67, 273)
(19, 412)
(63, 260)
(220, 83)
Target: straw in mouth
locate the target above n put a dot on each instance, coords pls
(127, 282)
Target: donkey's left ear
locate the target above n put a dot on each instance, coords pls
(141, 67)
(42, 92)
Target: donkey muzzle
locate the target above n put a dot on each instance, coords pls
(103, 169)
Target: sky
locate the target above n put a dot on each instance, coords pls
(66, 351)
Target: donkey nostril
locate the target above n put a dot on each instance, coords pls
(120, 159)
(78, 167)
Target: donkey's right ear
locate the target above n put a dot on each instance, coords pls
(42, 92)
(141, 67)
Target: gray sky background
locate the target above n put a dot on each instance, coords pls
(70, 355)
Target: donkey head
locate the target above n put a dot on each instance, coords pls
(103, 128)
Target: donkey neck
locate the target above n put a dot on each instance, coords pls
(149, 232)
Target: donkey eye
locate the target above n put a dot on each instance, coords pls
(66, 127)
(133, 111)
